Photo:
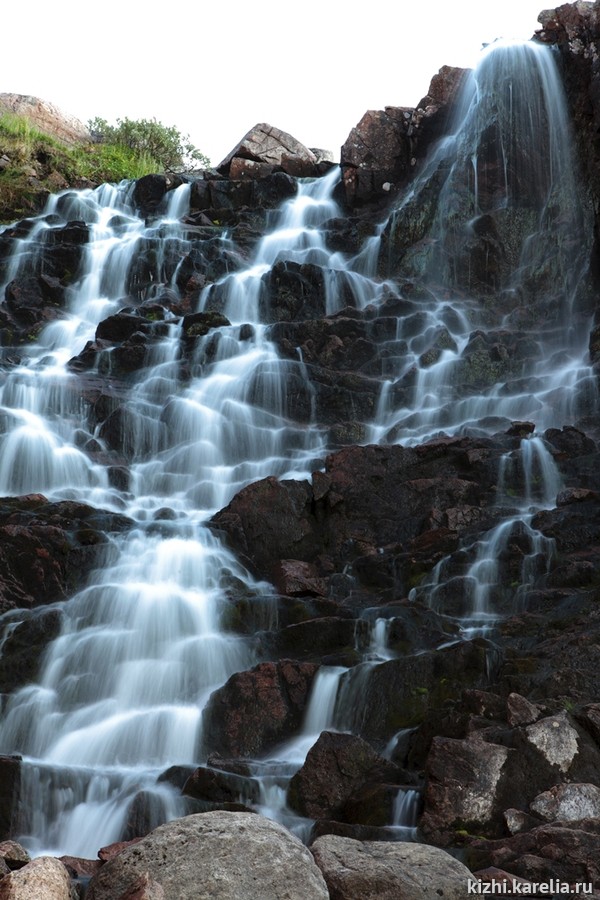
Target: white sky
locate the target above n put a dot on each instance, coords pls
(214, 70)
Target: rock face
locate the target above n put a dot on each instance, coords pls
(46, 117)
(216, 855)
(386, 871)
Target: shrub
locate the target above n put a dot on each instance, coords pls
(166, 146)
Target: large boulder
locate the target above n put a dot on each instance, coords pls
(376, 870)
(216, 856)
(257, 709)
(274, 148)
(336, 767)
(44, 878)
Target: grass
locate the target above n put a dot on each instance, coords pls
(39, 164)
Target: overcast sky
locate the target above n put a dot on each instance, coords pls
(214, 70)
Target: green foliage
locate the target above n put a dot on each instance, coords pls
(166, 146)
(37, 163)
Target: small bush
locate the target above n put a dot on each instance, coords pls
(166, 146)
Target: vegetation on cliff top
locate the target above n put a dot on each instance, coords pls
(34, 164)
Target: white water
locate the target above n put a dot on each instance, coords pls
(122, 688)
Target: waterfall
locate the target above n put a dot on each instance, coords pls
(142, 646)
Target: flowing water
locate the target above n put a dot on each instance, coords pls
(122, 688)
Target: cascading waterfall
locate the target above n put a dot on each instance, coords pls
(508, 231)
(122, 688)
(121, 691)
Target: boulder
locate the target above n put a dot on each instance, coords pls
(215, 856)
(568, 803)
(269, 145)
(257, 709)
(463, 785)
(566, 851)
(336, 767)
(374, 870)
(44, 878)
(377, 154)
(47, 548)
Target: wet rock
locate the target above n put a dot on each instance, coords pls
(353, 511)
(24, 644)
(316, 639)
(257, 709)
(336, 767)
(10, 795)
(378, 701)
(149, 192)
(386, 871)
(44, 878)
(46, 548)
(215, 855)
(220, 787)
(292, 291)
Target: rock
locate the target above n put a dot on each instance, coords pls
(111, 850)
(14, 855)
(10, 795)
(376, 152)
(387, 871)
(257, 709)
(47, 548)
(46, 117)
(44, 878)
(143, 888)
(352, 507)
(79, 867)
(266, 144)
(568, 852)
(568, 803)
(336, 767)
(216, 855)
(149, 192)
(556, 740)
(221, 787)
(463, 785)
(520, 711)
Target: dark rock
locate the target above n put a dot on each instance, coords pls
(257, 709)
(266, 144)
(565, 852)
(336, 767)
(149, 192)
(218, 786)
(10, 795)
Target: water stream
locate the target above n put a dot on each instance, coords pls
(122, 688)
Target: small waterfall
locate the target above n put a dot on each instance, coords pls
(479, 591)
